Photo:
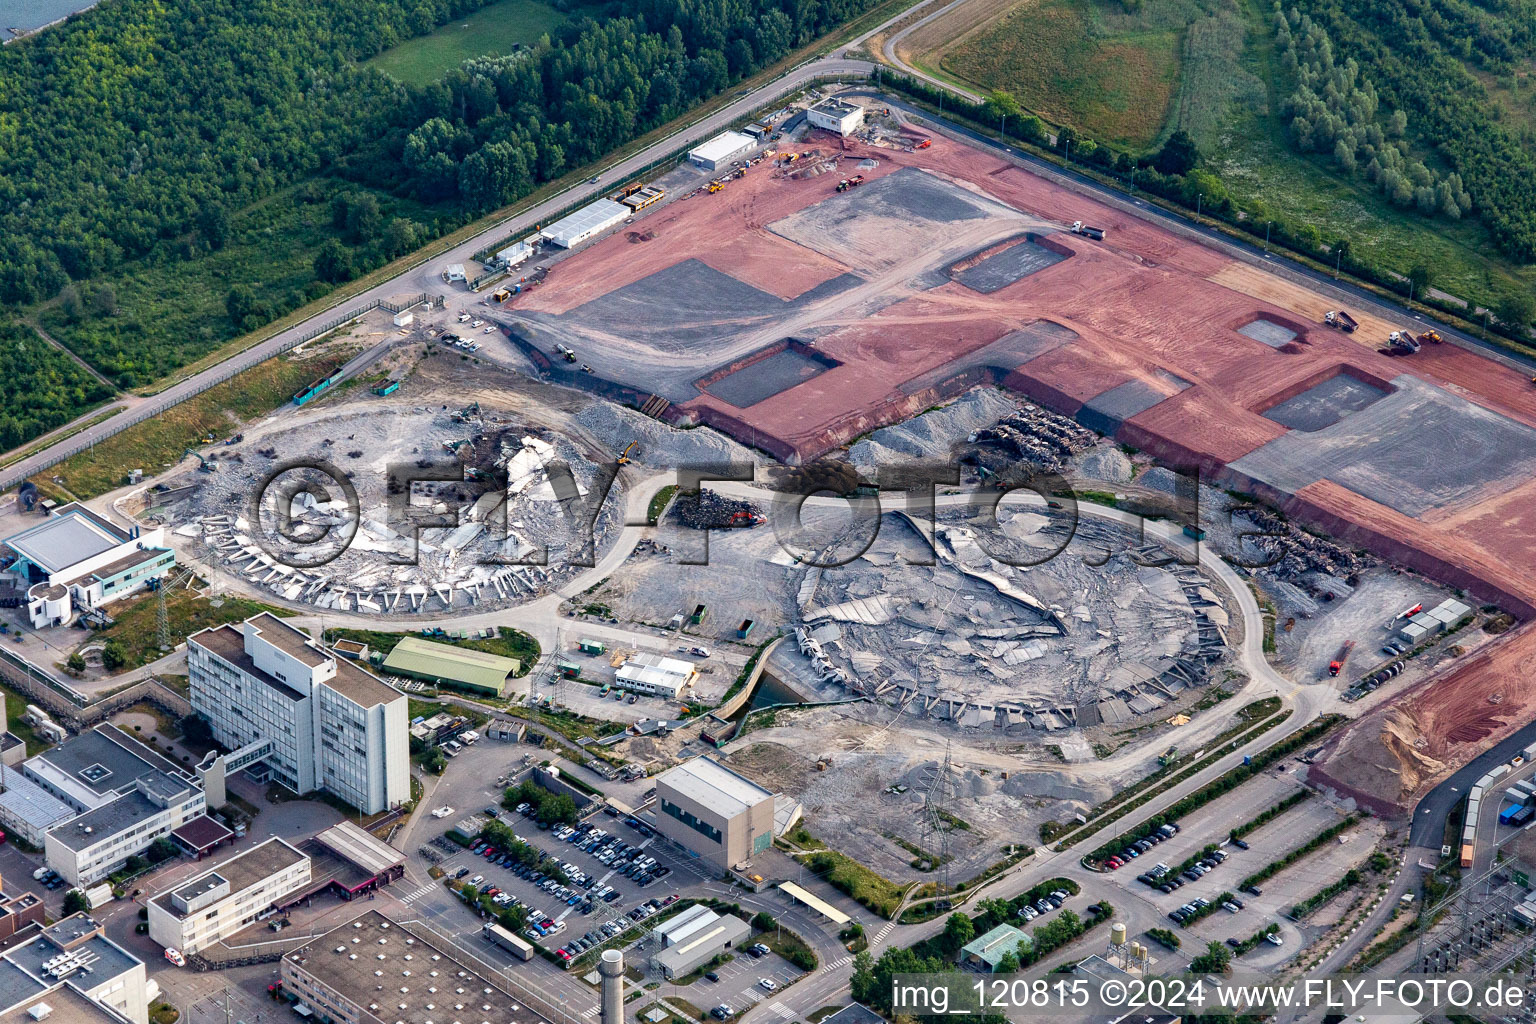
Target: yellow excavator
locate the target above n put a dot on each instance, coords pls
(624, 455)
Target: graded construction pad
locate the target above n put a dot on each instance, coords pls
(1268, 332)
(1325, 403)
(1418, 449)
(1014, 263)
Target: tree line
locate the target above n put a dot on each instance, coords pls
(41, 387)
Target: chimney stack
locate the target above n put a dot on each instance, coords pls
(611, 967)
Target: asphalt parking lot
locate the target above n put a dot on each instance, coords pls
(738, 985)
(576, 922)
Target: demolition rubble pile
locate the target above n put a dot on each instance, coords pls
(1302, 569)
(706, 510)
(1067, 642)
(1041, 439)
(487, 545)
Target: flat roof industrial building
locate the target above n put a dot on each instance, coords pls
(714, 813)
(721, 151)
(449, 665)
(586, 223)
(695, 937)
(341, 975)
(835, 115)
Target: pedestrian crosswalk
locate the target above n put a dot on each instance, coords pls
(883, 932)
(783, 1011)
(591, 1011)
(839, 962)
(416, 894)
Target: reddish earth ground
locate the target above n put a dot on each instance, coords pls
(1145, 304)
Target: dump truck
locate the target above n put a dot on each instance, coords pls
(1402, 342)
(566, 351)
(1337, 664)
(1340, 319)
(1079, 228)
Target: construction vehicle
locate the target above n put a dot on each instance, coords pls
(566, 351)
(924, 144)
(714, 187)
(203, 464)
(624, 455)
(746, 519)
(1410, 613)
(1079, 228)
(1337, 664)
(1340, 319)
(848, 183)
(1431, 336)
(1402, 342)
(501, 294)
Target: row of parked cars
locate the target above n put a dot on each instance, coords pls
(571, 950)
(1160, 878)
(1045, 904)
(1141, 846)
(613, 853)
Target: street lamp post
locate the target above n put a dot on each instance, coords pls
(1267, 225)
(1199, 204)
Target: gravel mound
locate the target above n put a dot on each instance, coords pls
(660, 445)
(934, 433)
(1108, 463)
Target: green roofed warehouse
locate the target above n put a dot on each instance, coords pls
(447, 665)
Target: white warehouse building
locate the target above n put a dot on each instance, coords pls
(233, 895)
(585, 224)
(76, 560)
(653, 674)
(721, 151)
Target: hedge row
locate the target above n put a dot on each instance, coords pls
(1221, 784)
(1326, 835)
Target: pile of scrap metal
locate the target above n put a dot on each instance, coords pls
(1032, 435)
(704, 509)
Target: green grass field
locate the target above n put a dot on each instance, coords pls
(1129, 74)
(1250, 154)
(494, 30)
(1055, 57)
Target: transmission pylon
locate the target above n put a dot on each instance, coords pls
(937, 819)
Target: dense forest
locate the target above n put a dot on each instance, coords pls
(1419, 56)
(43, 389)
(158, 158)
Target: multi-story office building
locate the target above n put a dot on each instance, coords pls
(714, 813)
(121, 797)
(310, 719)
(231, 896)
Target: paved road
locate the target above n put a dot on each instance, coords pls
(888, 51)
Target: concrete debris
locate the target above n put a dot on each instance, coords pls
(981, 643)
(491, 545)
(1293, 554)
(705, 509)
